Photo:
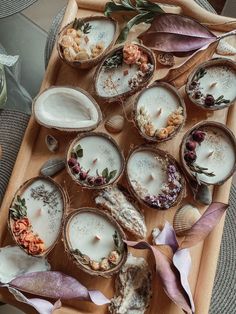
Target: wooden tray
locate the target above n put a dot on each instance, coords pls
(33, 154)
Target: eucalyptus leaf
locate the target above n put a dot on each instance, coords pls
(79, 151)
(112, 174)
(105, 173)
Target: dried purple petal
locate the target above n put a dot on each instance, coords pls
(209, 100)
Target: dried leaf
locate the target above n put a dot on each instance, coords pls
(52, 167)
(44, 284)
(200, 230)
(176, 33)
(168, 274)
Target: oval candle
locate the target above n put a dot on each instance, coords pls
(36, 215)
(212, 84)
(95, 240)
(94, 160)
(214, 153)
(154, 177)
(159, 112)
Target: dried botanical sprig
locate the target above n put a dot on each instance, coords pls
(19, 209)
(221, 100)
(114, 61)
(119, 245)
(79, 24)
(200, 170)
(200, 73)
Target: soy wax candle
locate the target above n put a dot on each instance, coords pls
(212, 84)
(94, 160)
(95, 241)
(159, 112)
(154, 177)
(208, 153)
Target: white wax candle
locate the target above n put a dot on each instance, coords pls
(82, 231)
(46, 224)
(145, 169)
(102, 150)
(225, 79)
(155, 98)
(222, 158)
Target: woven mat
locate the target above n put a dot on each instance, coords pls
(10, 7)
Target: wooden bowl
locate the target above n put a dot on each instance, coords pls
(175, 92)
(20, 223)
(131, 91)
(190, 91)
(89, 63)
(69, 153)
(163, 156)
(80, 261)
(200, 126)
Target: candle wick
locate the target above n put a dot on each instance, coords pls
(159, 112)
(97, 237)
(39, 212)
(213, 84)
(152, 177)
(95, 160)
(210, 153)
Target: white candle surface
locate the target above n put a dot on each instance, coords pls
(221, 161)
(46, 224)
(225, 79)
(155, 98)
(102, 150)
(145, 171)
(82, 231)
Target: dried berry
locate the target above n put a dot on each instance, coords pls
(190, 157)
(83, 175)
(198, 136)
(209, 100)
(90, 180)
(72, 162)
(193, 85)
(191, 145)
(76, 169)
(197, 94)
(99, 180)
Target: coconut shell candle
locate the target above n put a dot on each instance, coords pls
(67, 109)
(94, 160)
(83, 43)
(159, 112)
(154, 177)
(95, 241)
(212, 84)
(208, 153)
(36, 215)
(124, 71)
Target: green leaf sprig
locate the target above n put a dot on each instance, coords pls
(144, 11)
(19, 209)
(221, 100)
(119, 245)
(108, 175)
(78, 151)
(200, 73)
(79, 24)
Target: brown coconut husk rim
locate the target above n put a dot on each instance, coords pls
(108, 273)
(162, 154)
(181, 104)
(86, 64)
(123, 96)
(213, 62)
(198, 126)
(19, 192)
(82, 91)
(68, 154)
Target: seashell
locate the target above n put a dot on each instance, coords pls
(203, 195)
(133, 287)
(52, 167)
(85, 48)
(225, 49)
(36, 215)
(52, 143)
(123, 211)
(117, 78)
(67, 109)
(115, 124)
(20, 263)
(184, 218)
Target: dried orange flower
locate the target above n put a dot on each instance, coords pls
(144, 67)
(149, 129)
(114, 257)
(131, 53)
(36, 246)
(67, 41)
(170, 129)
(21, 226)
(104, 264)
(163, 133)
(175, 119)
(94, 265)
(143, 58)
(71, 32)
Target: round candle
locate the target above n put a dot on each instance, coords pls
(216, 154)
(95, 241)
(154, 177)
(95, 160)
(212, 84)
(159, 111)
(37, 212)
